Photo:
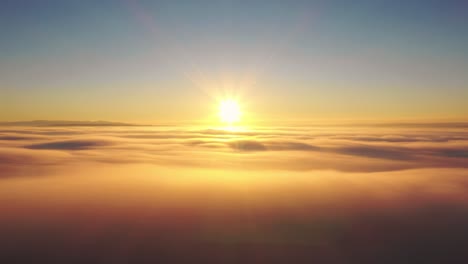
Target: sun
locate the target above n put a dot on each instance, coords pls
(229, 111)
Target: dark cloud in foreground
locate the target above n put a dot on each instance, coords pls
(403, 139)
(381, 152)
(70, 145)
(247, 145)
(14, 138)
(455, 153)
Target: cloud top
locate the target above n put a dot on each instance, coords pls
(355, 149)
(319, 194)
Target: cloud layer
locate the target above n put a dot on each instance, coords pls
(356, 149)
(132, 194)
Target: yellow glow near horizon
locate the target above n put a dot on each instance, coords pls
(229, 111)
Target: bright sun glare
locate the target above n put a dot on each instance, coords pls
(229, 111)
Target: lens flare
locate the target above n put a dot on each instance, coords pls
(229, 111)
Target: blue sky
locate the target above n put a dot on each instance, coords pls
(317, 58)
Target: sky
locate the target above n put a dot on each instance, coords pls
(160, 61)
(352, 143)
